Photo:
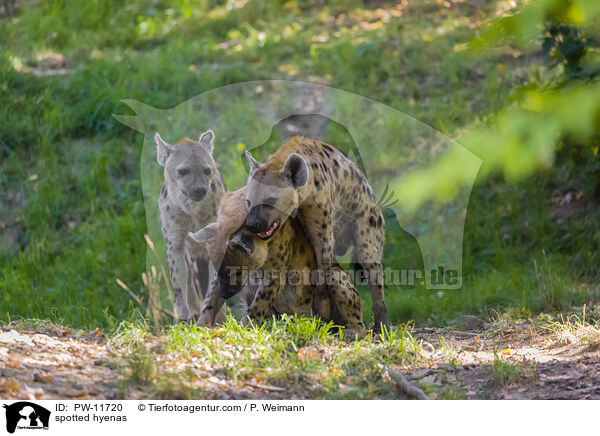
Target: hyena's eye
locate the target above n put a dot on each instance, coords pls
(183, 171)
(206, 171)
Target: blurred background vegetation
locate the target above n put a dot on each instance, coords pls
(514, 82)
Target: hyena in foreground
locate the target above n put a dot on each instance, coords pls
(333, 200)
(285, 283)
(189, 200)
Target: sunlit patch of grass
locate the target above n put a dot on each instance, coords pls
(574, 330)
(304, 330)
(298, 353)
(184, 338)
(129, 335)
(34, 325)
(446, 351)
(239, 351)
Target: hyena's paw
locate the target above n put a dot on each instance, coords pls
(351, 334)
(221, 317)
(191, 320)
(381, 327)
(204, 320)
(246, 320)
(383, 334)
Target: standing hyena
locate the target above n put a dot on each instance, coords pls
(285, 264)
(334, 202)
(188, 201)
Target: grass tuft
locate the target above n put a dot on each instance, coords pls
(303, 354)
(575, 330)
(505, 373)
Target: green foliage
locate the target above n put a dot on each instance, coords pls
(543, 116)
(71, 208)
(564, 45)
(523, 25)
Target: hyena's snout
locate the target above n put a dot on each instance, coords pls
(260, 218)
(243, 241)
(197, 192)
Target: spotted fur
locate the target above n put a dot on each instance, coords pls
(333, 201)
(189, 200)
(290, 291)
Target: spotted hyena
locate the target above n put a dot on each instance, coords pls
(333, 201)
(283, 267)
(189, 200)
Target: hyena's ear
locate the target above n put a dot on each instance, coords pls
(295, 170)
(163, 149)
(205, 235)
(254, 164)
(207, 139)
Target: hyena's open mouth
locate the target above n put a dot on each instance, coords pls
(269, 233)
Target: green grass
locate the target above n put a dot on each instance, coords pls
(70, 195)
(35, 325)
(505, 373)
(300, 354)
(575, 330)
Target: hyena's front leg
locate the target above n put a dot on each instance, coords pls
(322, 306)
(213, 305)
(194, 294)
(181, 280)
(264, 301)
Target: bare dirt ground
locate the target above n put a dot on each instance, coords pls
(509, 361)
(67, 364)
(548, 367)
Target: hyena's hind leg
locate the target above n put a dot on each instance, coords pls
(368, 251)
(346, 305)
